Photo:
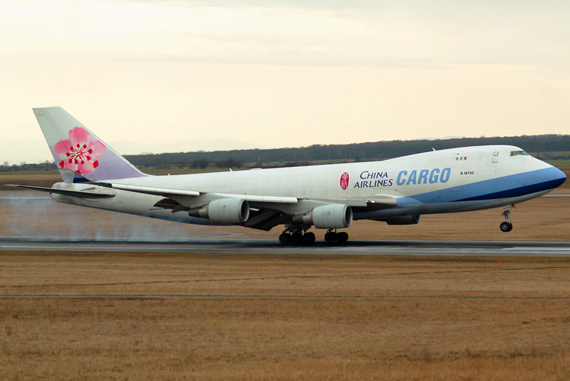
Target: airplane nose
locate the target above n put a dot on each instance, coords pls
(559, 177)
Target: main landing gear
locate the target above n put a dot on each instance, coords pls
(297, 237)
(331, 236)
(507, 226)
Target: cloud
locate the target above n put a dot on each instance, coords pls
(381, 69)
(291, 32)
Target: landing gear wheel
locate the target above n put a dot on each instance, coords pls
(297, 239)
(309, 239)
(506, 227)
(296, 236)
(330, 237)
(285, 238)
(342, 237)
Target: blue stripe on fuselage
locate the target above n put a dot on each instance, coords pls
(516, 185)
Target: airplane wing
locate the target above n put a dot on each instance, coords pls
(264, 215)
(176, 193)
(64, 192)
(170, 193)
(266, 211)
(370, 203)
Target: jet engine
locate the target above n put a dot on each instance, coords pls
(403, 220)
(225, 211)
(335, 216)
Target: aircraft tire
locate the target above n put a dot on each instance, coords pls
(506, 227)
(330, 237)
(309, 238)
(342, 237)
(297, 239)
(285, 239)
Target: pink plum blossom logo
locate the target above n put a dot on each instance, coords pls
(79, 153)
(344, 181)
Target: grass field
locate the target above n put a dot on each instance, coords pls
(492, 334)
(563, 164)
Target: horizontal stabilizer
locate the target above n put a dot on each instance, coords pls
(62, 191)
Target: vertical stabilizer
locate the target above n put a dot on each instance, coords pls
(76, 148)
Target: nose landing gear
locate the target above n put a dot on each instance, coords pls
(507, 226)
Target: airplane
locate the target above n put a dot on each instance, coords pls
(329, 197)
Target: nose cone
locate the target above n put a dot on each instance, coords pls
(559, 177)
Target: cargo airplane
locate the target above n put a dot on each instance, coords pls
(330, 197)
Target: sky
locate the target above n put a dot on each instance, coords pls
(284, 73)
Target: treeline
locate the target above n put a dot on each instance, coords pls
(540, 144)
(543, 146)
(45, 166)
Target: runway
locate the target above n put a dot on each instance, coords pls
(259, 246)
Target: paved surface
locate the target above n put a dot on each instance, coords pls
(253, 246)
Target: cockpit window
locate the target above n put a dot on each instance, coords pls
(516, 153)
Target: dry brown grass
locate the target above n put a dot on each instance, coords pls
(22, 178)
(290, 339)
(226, 338)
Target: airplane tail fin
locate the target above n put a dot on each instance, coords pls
(76, 148)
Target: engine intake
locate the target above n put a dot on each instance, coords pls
(225, 211)
(335, 216)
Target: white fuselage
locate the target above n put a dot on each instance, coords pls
(451, 180)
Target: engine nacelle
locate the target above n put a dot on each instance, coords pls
(335, 216)
(225, 211)
(403, 220)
